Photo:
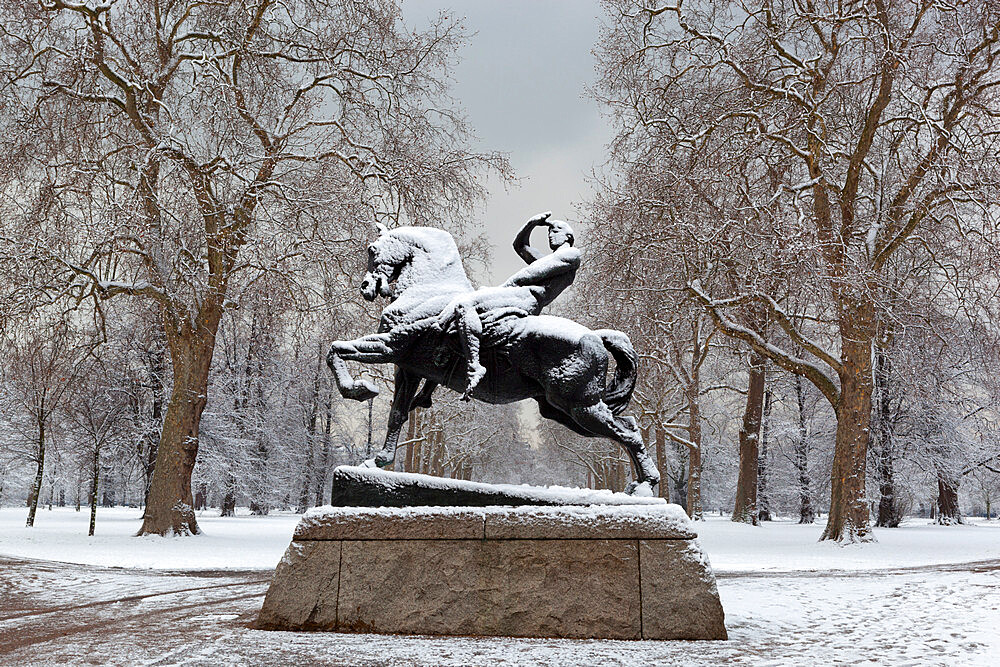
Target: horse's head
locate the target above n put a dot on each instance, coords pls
(387, 257)
(406, 256)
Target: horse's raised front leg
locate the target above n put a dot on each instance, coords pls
(373, 349)
(405, 388)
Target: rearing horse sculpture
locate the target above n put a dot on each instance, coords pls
(559, 363)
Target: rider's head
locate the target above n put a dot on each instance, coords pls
(559, 234)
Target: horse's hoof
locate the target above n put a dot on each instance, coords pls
(368, 463)
(644, 490)
(384, 459)
(361, 391)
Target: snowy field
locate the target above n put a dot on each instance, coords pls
(924, 595)
(242, 542)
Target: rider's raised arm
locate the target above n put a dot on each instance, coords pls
(522, 242)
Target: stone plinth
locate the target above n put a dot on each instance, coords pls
(617, 572)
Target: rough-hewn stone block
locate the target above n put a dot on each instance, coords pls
(537, 572)
(530, 588)
(602, 522)
(303, 593)
(679, 596)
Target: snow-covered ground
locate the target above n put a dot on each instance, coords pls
(234, 543)
(923, 595)
(247, 542)
(784, 546)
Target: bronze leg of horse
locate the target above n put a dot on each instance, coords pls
(599, 420)
(405, 389)
(373, 349)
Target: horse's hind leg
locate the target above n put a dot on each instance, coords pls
(599, 420)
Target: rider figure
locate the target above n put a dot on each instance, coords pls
(525, 293)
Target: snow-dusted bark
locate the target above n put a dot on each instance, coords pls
(764, 463)
(806, 512)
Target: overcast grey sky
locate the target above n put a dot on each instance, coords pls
(521, 82)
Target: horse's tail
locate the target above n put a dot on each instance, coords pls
(618, 345)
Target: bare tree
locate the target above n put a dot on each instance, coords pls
(191, 147)
(98, 414)
(43, 368)
(846, 131)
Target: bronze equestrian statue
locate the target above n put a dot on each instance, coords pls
(491, 344)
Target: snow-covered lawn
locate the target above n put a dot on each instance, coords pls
(247, 542)
(783, 545)
(233, 543)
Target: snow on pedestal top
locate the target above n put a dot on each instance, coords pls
(647, 521)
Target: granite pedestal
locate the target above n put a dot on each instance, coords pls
(592, 571)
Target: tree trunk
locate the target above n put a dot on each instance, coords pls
(806, 512)
(201, 497)
(307, 477)
(95, 476)
(418, 458)
(661, 458)
(412, 428)
(320, 482)
(745, 509)
(36, 485)
(849, 520)
(229, 498)
(437, 460)
(52, 481)
(151, 439)
(694, 508)
(948, 512)
(763, 500)
(882, 442)
(169, 508)
(680, 479)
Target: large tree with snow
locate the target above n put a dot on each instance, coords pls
(180, 150)
(845, 131)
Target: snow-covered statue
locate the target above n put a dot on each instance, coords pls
(491, 344)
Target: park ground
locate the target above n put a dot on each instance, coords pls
(922, 595)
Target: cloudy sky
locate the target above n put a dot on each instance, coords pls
(522, 82)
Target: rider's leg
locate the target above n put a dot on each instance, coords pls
(470, 329)
(371, 349)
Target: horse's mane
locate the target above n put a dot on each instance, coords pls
(442, 262)
(428, 239)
